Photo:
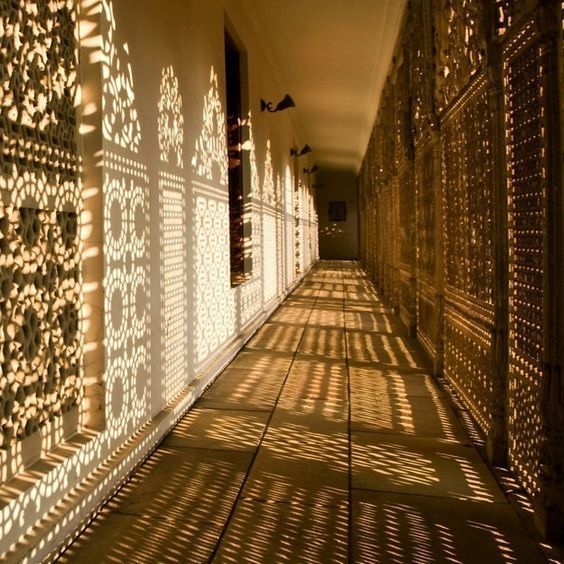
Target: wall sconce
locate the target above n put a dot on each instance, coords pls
(285, 103)
(311, 170)
(305, 150)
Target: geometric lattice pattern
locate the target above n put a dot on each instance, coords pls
(270, 198)
(468, 365)
(214, 321)
(214, 299)
(483, 79)
(289, 227)
(251, 292)
(127, 289)
(527, 201)
(468, 196)
(172, 237)
(170, 120)
(40, 350)
(126, 242)
(425, 174)
(210, 157)
(506, 13)
(459, 46)
(40, 265)
(298, 228)
(38, 84)
(468, 239)
(120, 120)
(174, 281)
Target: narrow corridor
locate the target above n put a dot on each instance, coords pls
(325, 440)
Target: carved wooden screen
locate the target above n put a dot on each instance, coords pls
(485, 314)
(428, 191)
(459, 40)
(405, 190)
(526, 168)
(406, 231)
(422, 75)
(40, 265)
(507, 12)
(363, 204)
(467, 172)
(385, 223)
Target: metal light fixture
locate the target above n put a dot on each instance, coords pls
(304, 151)
(284, 104)
(311, 170)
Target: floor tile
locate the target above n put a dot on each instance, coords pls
(175, 483)
(244, 389)
(219, 429)
(116, 538)
(327, 318)
(325, 379)
(377, 380)
(397, 528)
(276, 337)
(297, 315)
(264, 462)
(285, 532)
(409, 415)
(422, 466)
(369, 321)
(388, 350)
(325, 417)
(300, 465)
(323, 344)
(267, 361)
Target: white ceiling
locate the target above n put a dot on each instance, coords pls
(332, 57)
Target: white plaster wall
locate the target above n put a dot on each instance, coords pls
(169, 318)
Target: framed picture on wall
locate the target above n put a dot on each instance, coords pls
(337, 211)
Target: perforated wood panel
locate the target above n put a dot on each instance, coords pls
(467, 176)
(507, 12)
(426, 183)
(466, 141)
(526, 169)
(483, 314)
(407, 216)
(459, 42)
(426, 201)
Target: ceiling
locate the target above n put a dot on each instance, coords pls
(332, 57)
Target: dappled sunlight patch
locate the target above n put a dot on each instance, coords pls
(219, 429)
(324, 343)
(244, 389)
(377, 348)
(316, 379)
(274, 532)
(421, 466)
(276, 337)
(397, 528)
(190, 494)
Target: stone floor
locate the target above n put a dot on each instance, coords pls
(325, 440)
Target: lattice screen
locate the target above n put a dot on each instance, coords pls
(459, 33)
(455, 90)
(467, 173)
(426, 234)
(507, 11)
(468, 182)
(527, 201)
(40, 266)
